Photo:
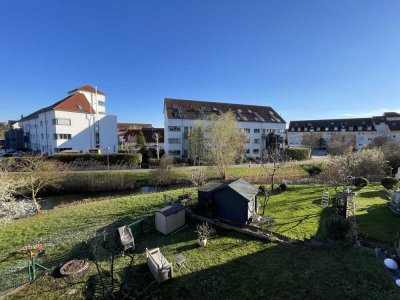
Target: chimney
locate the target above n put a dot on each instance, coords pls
(22, 116)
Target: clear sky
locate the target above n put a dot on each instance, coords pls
(307, 59)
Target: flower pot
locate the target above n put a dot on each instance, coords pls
(202, 242)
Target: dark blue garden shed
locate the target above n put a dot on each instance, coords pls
(233, 201)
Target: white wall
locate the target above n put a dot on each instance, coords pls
(182, 123)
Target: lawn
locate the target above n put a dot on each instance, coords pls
(374, 219)
(232, 265)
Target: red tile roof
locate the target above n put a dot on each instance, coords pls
(87, 88)
(73, 103)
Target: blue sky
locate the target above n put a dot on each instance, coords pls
(307, 59)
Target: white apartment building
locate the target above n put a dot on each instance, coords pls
(263, 125)
(358, 132)
(77, 122)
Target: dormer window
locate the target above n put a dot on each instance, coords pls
(335, 128)
(360, 128)
(80, 107)
(350, 127)
(326, 128)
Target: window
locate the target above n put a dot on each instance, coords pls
(101, 103)
(62, 121)
(42, 136)
(247, 151)
(247, 130)
(256, 130)
(41, 123)
(248, 141)
(256, 141)
(62, 136)
(174, 128)
(256, 151)
(174, 152)
(174, 141)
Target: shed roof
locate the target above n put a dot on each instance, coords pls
(242, 187)
(171, 210)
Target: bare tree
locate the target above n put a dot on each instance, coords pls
(41, 173)
(338, 171)
(339, 147)
(311, 139)
(198, 177)
(196, 145)
(272, 163)
(225, 142)
(156, 137)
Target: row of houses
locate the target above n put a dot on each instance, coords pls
(357, 132)
(80, 122)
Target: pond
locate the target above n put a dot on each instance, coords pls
(50, 201)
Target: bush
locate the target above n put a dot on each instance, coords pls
(282, 187)
(360, 182)
(313, 170)
(338, 228)
(114, 158)
(180, 160)
(389, 182)
(154, 162)
(298, 153)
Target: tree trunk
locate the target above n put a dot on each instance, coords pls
(37, 206)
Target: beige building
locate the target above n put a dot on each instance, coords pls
(357, 132)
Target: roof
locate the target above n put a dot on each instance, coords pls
(73, 103)
(87, 88)
(331, 124)
(242, 187)
(210, 186)
(171, 210)
(391, 114)
(201, 110)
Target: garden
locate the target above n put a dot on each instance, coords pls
(230, 264)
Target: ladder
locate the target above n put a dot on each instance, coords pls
(351, 215)
(325, 198)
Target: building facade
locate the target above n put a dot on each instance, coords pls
(262, 124)
(77, 122)
(357, 132)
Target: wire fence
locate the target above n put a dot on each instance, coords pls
(14, 276)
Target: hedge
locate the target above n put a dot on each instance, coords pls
(389, 182)
(114, 158)
(298, 153)
(360, 182)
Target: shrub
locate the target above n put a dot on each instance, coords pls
(180, 160)
(338, 228)
(282, 187)
(360, 182)
(163, 174)
(298, 153)
(114, 158)
(313, 170)
(389, 182)
(154, 162)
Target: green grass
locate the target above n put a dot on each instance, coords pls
(232, 265)
(374, 219)
(297, 212)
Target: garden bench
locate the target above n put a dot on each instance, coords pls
(159, 266)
